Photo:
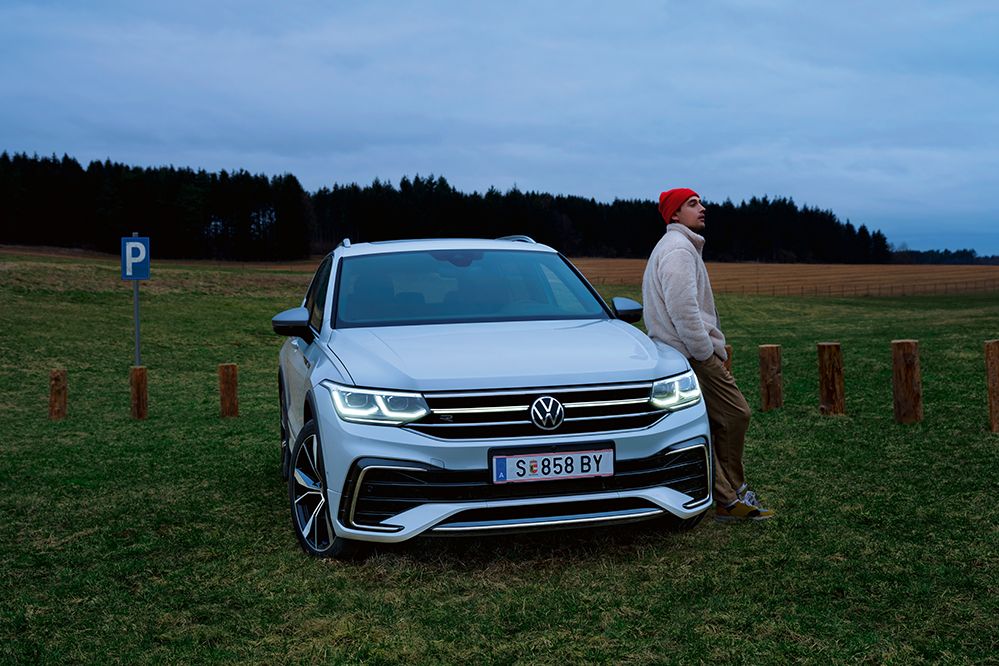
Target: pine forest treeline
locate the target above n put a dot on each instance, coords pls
(240, 216)
(186, 214)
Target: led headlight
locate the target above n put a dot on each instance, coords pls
(676, 392)
(382, 407)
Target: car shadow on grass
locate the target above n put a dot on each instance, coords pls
(612, 543)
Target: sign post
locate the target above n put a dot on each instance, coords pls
(135, 267)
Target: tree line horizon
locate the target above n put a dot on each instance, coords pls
(251, 217)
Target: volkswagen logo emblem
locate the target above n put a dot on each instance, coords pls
(547, 413)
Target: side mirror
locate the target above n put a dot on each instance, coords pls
(293, 323)
(626, 309)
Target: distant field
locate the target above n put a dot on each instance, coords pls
(814, 279)
(731, 278)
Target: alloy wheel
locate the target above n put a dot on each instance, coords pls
(309, 505)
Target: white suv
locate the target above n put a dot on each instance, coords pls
(458, 387)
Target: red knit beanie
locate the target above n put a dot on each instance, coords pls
(671, 200)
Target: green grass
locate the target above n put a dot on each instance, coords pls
(169, 540)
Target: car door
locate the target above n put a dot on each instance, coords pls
(304, 353)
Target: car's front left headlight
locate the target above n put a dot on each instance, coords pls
(676, 392)
(379, 407)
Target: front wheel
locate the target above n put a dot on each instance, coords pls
(311, 514)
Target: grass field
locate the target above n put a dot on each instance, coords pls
(169, 540)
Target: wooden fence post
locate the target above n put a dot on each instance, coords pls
(832, 394)
(228, 389)
(992, 374)
(907, 383)
(771, 382)
(57, 394)
(140, 391)
(728, 358)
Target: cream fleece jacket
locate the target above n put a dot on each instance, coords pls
(679, 306)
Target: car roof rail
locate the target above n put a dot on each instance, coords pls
(344, 243)
(520, 238)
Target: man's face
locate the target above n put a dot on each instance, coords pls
(691, 214)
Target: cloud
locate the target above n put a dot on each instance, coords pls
(858, 107)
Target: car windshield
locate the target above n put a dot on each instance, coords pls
(452, 286)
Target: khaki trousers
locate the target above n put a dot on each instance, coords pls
(728, 416)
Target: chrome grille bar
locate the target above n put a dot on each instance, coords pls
(606, 403)
(482, 410)
(542, 390)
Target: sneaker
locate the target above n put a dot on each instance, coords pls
(739, 510)
(749, 497)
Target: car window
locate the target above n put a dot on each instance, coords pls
(562, 294)
(310, 293)
(316, 299)
(451, 286)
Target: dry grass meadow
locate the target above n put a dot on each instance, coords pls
(728, 278)
(814, 279)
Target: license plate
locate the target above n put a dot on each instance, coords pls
(549, 466)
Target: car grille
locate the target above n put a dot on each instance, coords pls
(499, 414)
(376, 491)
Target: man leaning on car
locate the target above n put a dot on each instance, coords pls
(680, 312)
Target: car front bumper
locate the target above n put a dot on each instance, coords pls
(442, 488)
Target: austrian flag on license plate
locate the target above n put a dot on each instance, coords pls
(547, 466)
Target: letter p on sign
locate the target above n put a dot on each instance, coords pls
(134, 258)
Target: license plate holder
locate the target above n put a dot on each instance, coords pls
(578, 461)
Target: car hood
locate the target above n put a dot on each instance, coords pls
(502, 355)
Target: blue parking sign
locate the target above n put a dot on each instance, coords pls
(135, 258)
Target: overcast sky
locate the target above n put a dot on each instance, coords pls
(885, 112)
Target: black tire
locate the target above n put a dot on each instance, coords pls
(285, 432)
(311, 515)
